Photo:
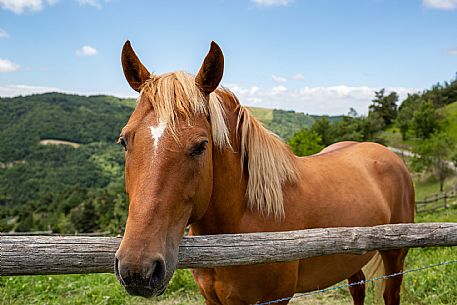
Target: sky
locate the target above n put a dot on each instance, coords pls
(312, 56)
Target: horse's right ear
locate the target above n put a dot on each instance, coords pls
(134, 71)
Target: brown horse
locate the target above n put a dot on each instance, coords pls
(195, 156)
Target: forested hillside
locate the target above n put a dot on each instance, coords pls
(68, 189)
(59, 187)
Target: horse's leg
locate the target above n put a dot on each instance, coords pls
(357, 291)
(393, 262)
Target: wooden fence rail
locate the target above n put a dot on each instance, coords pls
(432, 203)
(21, 255)
(51, 233)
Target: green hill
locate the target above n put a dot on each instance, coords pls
(61, 187)
(78, 187)
(24, 121)
(282, 122)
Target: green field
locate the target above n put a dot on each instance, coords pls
(263, 114)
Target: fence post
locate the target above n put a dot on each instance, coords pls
(444, 198)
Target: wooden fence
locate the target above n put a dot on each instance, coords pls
(437, 201)
(27, 255)
(51, 233)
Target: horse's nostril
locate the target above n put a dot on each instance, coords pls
(122, 273)
(151, 277)
(156, 273)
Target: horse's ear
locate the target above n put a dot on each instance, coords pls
(134, 71)
(211, 71)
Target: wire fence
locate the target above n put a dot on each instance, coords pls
(384, 277)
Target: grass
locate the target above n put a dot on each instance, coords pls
(97, 289)
(431, 286)
(393, 138)
(429, 186)
(436, 285)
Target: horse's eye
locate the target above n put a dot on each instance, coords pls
(199, 148)
(122, 141)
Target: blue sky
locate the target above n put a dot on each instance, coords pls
(315, 56)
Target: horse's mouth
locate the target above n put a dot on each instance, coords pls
(137, 289)
(145, 291)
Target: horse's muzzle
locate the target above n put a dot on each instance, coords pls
(147, 283)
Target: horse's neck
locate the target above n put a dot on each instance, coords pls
(228, 201)
(227, 204)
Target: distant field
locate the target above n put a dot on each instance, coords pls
(429, 186)
(263, 114)
(59, 142)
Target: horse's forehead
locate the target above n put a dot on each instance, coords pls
(157, 132)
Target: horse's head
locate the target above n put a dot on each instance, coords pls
(168, 166)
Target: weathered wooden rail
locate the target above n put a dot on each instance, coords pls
(21, 255)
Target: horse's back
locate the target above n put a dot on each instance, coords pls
(362, 178)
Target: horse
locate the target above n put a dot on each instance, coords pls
(195, 157)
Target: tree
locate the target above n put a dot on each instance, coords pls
(433, 155)
(305, 143)
(385, 106)
(323, 128)
(405, 114)
(371, 126)
(425, 120)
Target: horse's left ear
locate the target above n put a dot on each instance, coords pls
(211, 71)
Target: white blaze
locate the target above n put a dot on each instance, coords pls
(157, 133)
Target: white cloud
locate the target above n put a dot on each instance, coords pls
(279, 79)
(3, 33)
(267, 3)
(15, 90)
(253, 90)
(94, 3)
(19, 6)
(86, 51)
(8, 66)
(440, 4)
(332, 100)
(452, 51)
(298, 76)
(278, 90)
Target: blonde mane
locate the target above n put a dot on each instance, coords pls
(269, 164)
(268, 161)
